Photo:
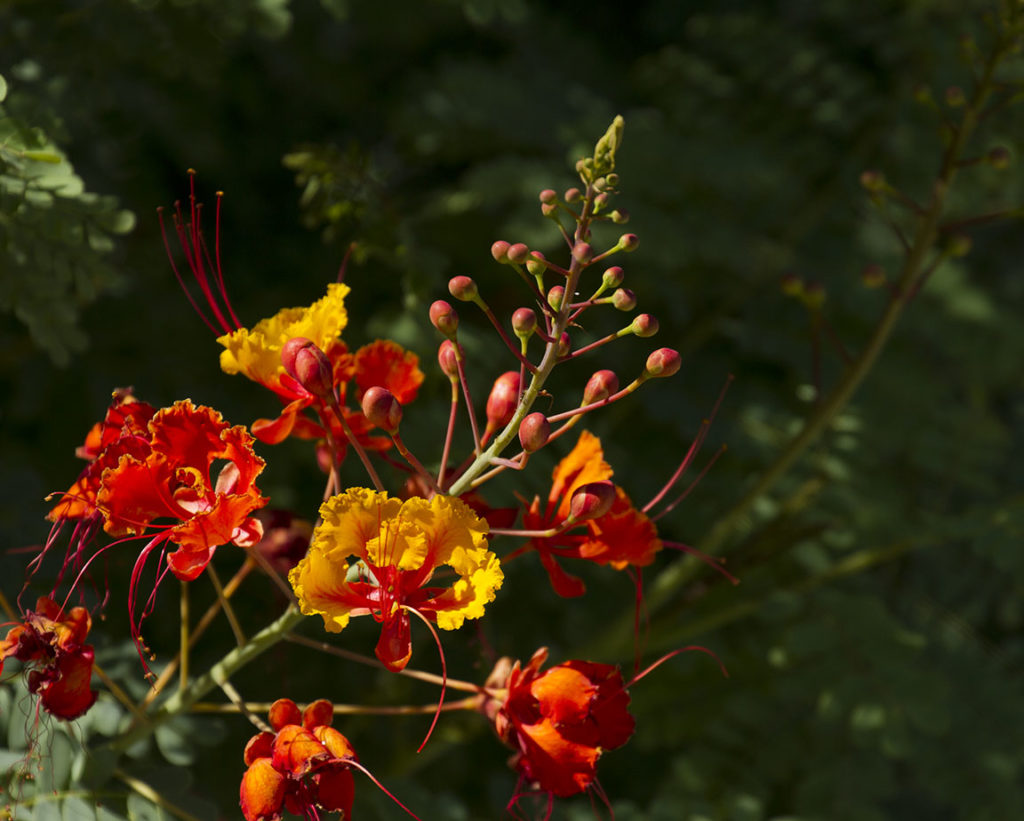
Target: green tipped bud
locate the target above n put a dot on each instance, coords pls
(612, 278)
(381, 409)
(534, 431)
(791, 285)
(873, 181)
(535, 264)
(548, 209)
(959, 245)
(604, 151)
(620, 216)
(601, 201)
(663, 362)
(503, 400)
(573, 195)
(612, 180)
(564, 345)
(955, 97)
(624, 299)
(447, 358)
(814, 295)
(999, 157)
(308, 365)
(873, 276)
(524, 322)
(582, 252)
(644, 326)
(518, 253)
(629, 242)
(444, 317)
(555, 297)
(600, 386)
(591, 501)
(463, 289)
(499, 250)
(548, 195)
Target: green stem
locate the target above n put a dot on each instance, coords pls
(221, 671)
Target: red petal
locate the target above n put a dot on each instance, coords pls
(67, 695)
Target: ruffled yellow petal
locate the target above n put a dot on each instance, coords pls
(257, 353)
(481, 576)
(321, 589)
(351, 520)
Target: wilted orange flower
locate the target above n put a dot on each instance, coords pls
(621, 537)
(397, 546)
(59, 663)
(303, 766)
(560, 721)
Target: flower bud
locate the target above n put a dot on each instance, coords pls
(282, 712)
(548, 195)
(624, 299)
(582, 252)
(518, 253)
(447, 359)
(791, 285)
(600, 184)
(534, 431)
(308, 365)
(999, 157)
(524, 322)
(600, 386)
(444, 318)
(318, 713)
(873, 181)
(564, 345)
(555, 297)
(873, 275)
(629, 242)
(601, 201)
(612, 180)
(548, 209)
(382, 409)
(663, 362)
(591, 500)
(573, 195)
(814, 295)
(612, 278)
(504, 399)
(620, 216)
(499, 250)
(644, 326)
(462, 288)
(535, 264)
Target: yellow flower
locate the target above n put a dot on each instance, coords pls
(257, 353)
(397, 546)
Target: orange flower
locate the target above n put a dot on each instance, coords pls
(397, 546)
(621, 537)
(559, 722)
(303, 766)
(59, 661)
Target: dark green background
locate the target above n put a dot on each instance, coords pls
(895, 692)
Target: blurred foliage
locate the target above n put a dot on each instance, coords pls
(874, 645)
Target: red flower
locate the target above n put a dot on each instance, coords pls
(559, 722)
(303, 766)
(621, 537)
(60, 663)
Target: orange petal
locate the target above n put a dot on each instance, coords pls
(388, 365)
(585, 463)
(262, 791)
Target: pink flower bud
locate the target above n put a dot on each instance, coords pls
(535, 264)
(582, 252)
(548, 195)
(601, 201)
(600, 386)
(448, 360)
(518, 253)
(524, 322)
(444, 318)
(555, 297)
(591, 500)
(612, 278)
(872, 181)
(629, 242)
(462, 288)
(499, 250)
(382, 409)
(644, 326)
(663, 362)
(573, 195)
(548, 209)
(624, 299)
(534, 431)
(564, 345)
(308, 365)
(504, 399)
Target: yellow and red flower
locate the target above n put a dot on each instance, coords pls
(560, 721)
(51, 644)
(397, 546)
(621, 537)
(302, 767)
